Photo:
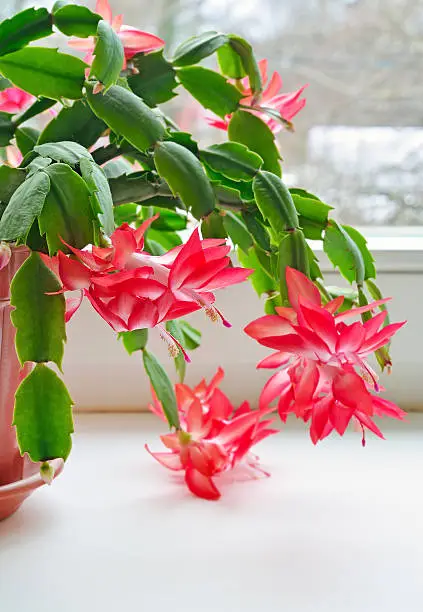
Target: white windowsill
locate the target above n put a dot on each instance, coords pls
(333, 530)
(395, 249)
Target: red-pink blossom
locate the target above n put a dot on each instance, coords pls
(133, 41)
(325, 376)
(14, 100)
(286, 104)
(132, 289)
(214, 438)
(14, 156)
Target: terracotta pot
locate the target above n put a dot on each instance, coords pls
(18, 475)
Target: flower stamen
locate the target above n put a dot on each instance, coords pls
(174, 347)
(214, 315)
(211, 313)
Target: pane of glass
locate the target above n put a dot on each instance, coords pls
(358, 143)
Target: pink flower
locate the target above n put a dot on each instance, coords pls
(14, 100)
(134, 41)
(320, 355)
(14, 156)
(214, 437)
(286, 104)
(131, 289)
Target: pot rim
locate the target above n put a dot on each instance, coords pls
(30, 482)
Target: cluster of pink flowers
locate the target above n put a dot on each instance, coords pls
(132, 289)
(324, 377)
(320, 354)
(133, 41)
(214, 439)
(286, 104)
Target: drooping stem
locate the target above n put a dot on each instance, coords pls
(111, 151)
(232, 206)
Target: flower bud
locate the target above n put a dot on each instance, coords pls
(47, 472)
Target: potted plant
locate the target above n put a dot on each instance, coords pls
(92, 203)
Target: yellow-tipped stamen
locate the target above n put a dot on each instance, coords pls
(173, 350)
(172, 347)
(211, 314)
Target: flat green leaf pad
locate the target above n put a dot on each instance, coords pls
(43, 416)
(39, 318)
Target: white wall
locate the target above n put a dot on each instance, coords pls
(101, 376)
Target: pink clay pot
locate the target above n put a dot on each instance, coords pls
(18, 475)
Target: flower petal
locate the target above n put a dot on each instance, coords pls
(349, 389)
(103, 8)
(73, 274)
(156, 407)
(88, 258)
(171, 461)
(236, 428)
(221, 124)
(381, 337)
(171, 441)
(72, 305)
(287, 313)
(372, 325)
(351, 338)
(275, 360)
(136, 41)
(273, 87)
(262, 64)
(215, 381)
(312, 343)
(194, 417)
(268, 325)
(141, 229)
(82, 44)
(143, 315)
(289, 104)
(366, 421)
(274, 387)
(305, 386)
(105, 313)
(119, 278)
(200, 485)
(125, 244)
(299, 284)
(182, 267)
(341, 416)
(334, 304)
(220, 405)
(360, 309)
(320, 418)
(244, 408)
(184, 396)
(204, 275)
(320, 321)
(285, 403)
(384, 407)
(224, 278)
(117, 22)
(122, 305)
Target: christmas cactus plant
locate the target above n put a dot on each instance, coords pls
(98, 182)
